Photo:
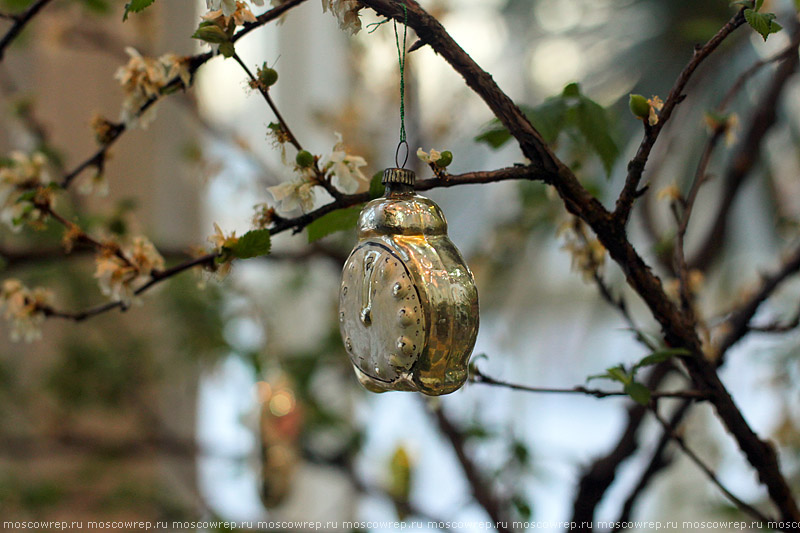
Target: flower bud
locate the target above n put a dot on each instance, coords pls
(267, 76)
(445, 158)
(639, 106)
(304, 158)
(211, 33)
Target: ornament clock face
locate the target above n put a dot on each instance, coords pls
(382, 320)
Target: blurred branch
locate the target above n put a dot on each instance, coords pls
(20, 21)
(711, 143)
(747, 508)
(630, 191)
(738, 324)
(747, 153)
(779, 327)
(657, 463)
(700, 177)
(600, 474)
(479, 377)
(481, 487)
(737, 86)
(22, 447)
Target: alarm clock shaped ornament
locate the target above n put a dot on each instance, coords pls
(408, 306)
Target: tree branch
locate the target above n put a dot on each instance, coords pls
(481, 488)
(636, 166)
(747, 508)
(600, 474)
(99, 157)
(479, 377)
(738, 324)
(297, 224)
(20, 21)
(657, 463)
(678, 330)
(748, 152)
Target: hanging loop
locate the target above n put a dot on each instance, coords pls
(402, 143)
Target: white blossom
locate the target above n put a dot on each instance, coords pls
(346, 12)
(293, 194)
(24, 173)
(588, 253)
(227, 6)
(143, 78)
(223, 11)
(24, 308)
(431, 157)
(346, 168)
(119, 278)
(220, 241)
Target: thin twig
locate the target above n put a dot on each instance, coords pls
(747, 153)
(297, 224)
(481, 488)
(478, 377)
(265, 93)
(737, 86)
(657, 463)
(20, 21)
(738, 324)
(700, 178)
(598, 476)
(618, 302)
(636, 166)
(778, 327)
(749, 509)
(322, 179)
(99, 157)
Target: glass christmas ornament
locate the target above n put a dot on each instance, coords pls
(408, 305)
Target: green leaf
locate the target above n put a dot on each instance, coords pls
(615, 373)
(495, 137)
(332, 222)
(522, 507)
(476, 431)
(27, 196)
(594, 125)
(618, 373)
(227, 49)
(97, 6)
(660, 356)
(549, 118)
(210, 33)
(759, 3)
(638, 392)
(376, 187)
(763, 23)
(252, 244)
(136, 6)
(571, 90)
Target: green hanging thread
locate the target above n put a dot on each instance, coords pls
(401, 59)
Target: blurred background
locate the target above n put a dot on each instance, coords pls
(236, 399)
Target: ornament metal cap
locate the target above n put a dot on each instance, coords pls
(398, 175)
